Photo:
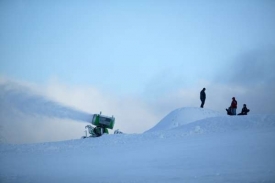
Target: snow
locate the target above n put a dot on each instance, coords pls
(183, 116)
(188, 145)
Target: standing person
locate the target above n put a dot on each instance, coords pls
(202, 97)
(233, 106)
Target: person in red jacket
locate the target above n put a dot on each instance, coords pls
(233, 106)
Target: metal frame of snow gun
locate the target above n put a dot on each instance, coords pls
(102, 123)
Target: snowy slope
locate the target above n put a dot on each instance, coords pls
(183, 116)
(210, 149)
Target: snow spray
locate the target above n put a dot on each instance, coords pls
(21, 98)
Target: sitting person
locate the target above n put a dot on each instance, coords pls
(229, 112)
(244, 110)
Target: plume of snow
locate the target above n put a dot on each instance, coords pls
(28, 102)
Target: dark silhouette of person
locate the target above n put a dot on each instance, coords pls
(233, 106)
(244, 110)
(229, 111)
(202, 97)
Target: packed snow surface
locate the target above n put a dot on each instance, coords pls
(183, 116)
(189, 145)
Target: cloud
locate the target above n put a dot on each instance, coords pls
(251, 78)
(252, 68)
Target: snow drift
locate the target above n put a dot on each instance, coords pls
(205, 147)
(183, 116)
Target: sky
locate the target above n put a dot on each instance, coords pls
(150, 57)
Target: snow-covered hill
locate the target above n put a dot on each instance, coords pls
(188, 145)
(183, 116)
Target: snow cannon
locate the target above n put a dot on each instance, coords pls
(102, 123)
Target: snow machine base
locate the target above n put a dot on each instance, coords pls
(95, 131)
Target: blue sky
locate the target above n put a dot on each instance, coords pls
(125, 45)
(163, 52)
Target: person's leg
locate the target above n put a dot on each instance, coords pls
(202, 103)
(234, 111)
